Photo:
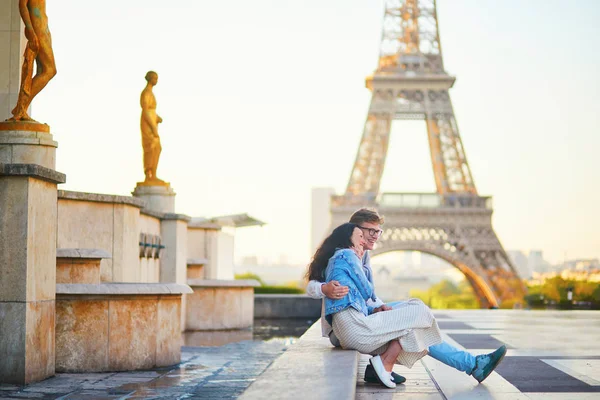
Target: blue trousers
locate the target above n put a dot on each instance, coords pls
(448, 354)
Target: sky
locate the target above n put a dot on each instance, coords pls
(263, 100)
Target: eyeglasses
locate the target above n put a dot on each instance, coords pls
(372, 232)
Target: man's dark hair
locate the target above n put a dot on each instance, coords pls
(366, 215)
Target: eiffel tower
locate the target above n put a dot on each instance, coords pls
(455, 223)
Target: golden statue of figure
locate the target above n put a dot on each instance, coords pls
(39, 48)
(149, 124)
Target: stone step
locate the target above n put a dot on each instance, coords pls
(310, 368)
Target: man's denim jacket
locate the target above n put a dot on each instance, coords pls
(346, 268)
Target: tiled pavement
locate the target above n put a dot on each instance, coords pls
(205, 373)
(552, 355)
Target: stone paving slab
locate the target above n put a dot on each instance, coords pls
(552, 355)
(205, 372)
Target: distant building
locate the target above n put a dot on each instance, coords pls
(321, 215)
(536, 262)
(521, 263)
(582, 264)
(249, 260)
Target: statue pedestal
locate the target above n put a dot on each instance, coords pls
(26, 146)
(159, 198)
(28, 222)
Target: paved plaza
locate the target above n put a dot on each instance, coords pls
(222, 372)
(552, 355)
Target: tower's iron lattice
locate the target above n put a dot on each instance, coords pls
(455, 223)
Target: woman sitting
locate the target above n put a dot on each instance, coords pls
(401, 335)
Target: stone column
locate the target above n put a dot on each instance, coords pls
(28, 225)
(12, 47)
(157, 198)
(173, 259)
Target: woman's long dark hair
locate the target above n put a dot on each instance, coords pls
(339, 238)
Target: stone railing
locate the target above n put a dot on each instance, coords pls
(220, 304)
(118, 326)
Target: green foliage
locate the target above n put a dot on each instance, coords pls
(278, 290)
(288, 288)
(446, 294)
(556, 290)
(250, 275)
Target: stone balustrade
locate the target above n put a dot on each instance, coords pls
(79, 265)
(118, 326)
(195, 268)
(220, 304)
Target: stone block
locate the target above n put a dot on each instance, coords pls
(126, 262)
(26, 147)
(70, 270)
(40, 344)
(247, 308)
(214, 308)
(12, 341)
(13, 247)
(34, 154)
(26, 341)
(227, 306)
(200, 309)
(83, 224)
(168, 343)
(41, 241)
(81, 335)
(132, 336)
(195, 272)
(157, 198)
(28, 254)
(173, 260)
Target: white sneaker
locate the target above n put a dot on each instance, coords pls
(384, 377)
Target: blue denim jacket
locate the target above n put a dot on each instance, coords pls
(346, 268)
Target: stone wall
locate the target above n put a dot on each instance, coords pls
(149, 267)
(220, 304)
(117, 327)
(105, 222)
(286, 306)
(12, 47)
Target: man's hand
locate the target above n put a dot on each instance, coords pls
(382, 308)
(334, 290)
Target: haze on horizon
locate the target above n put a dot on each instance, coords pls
(264, 100)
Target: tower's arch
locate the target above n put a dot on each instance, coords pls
(485, 295)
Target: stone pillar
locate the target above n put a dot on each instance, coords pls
(28, 225)
(12, 47)
(173, 259)
(157, 198)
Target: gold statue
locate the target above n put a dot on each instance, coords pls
(39, 48)
(149, 125)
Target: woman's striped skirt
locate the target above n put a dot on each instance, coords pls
(412, 323)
